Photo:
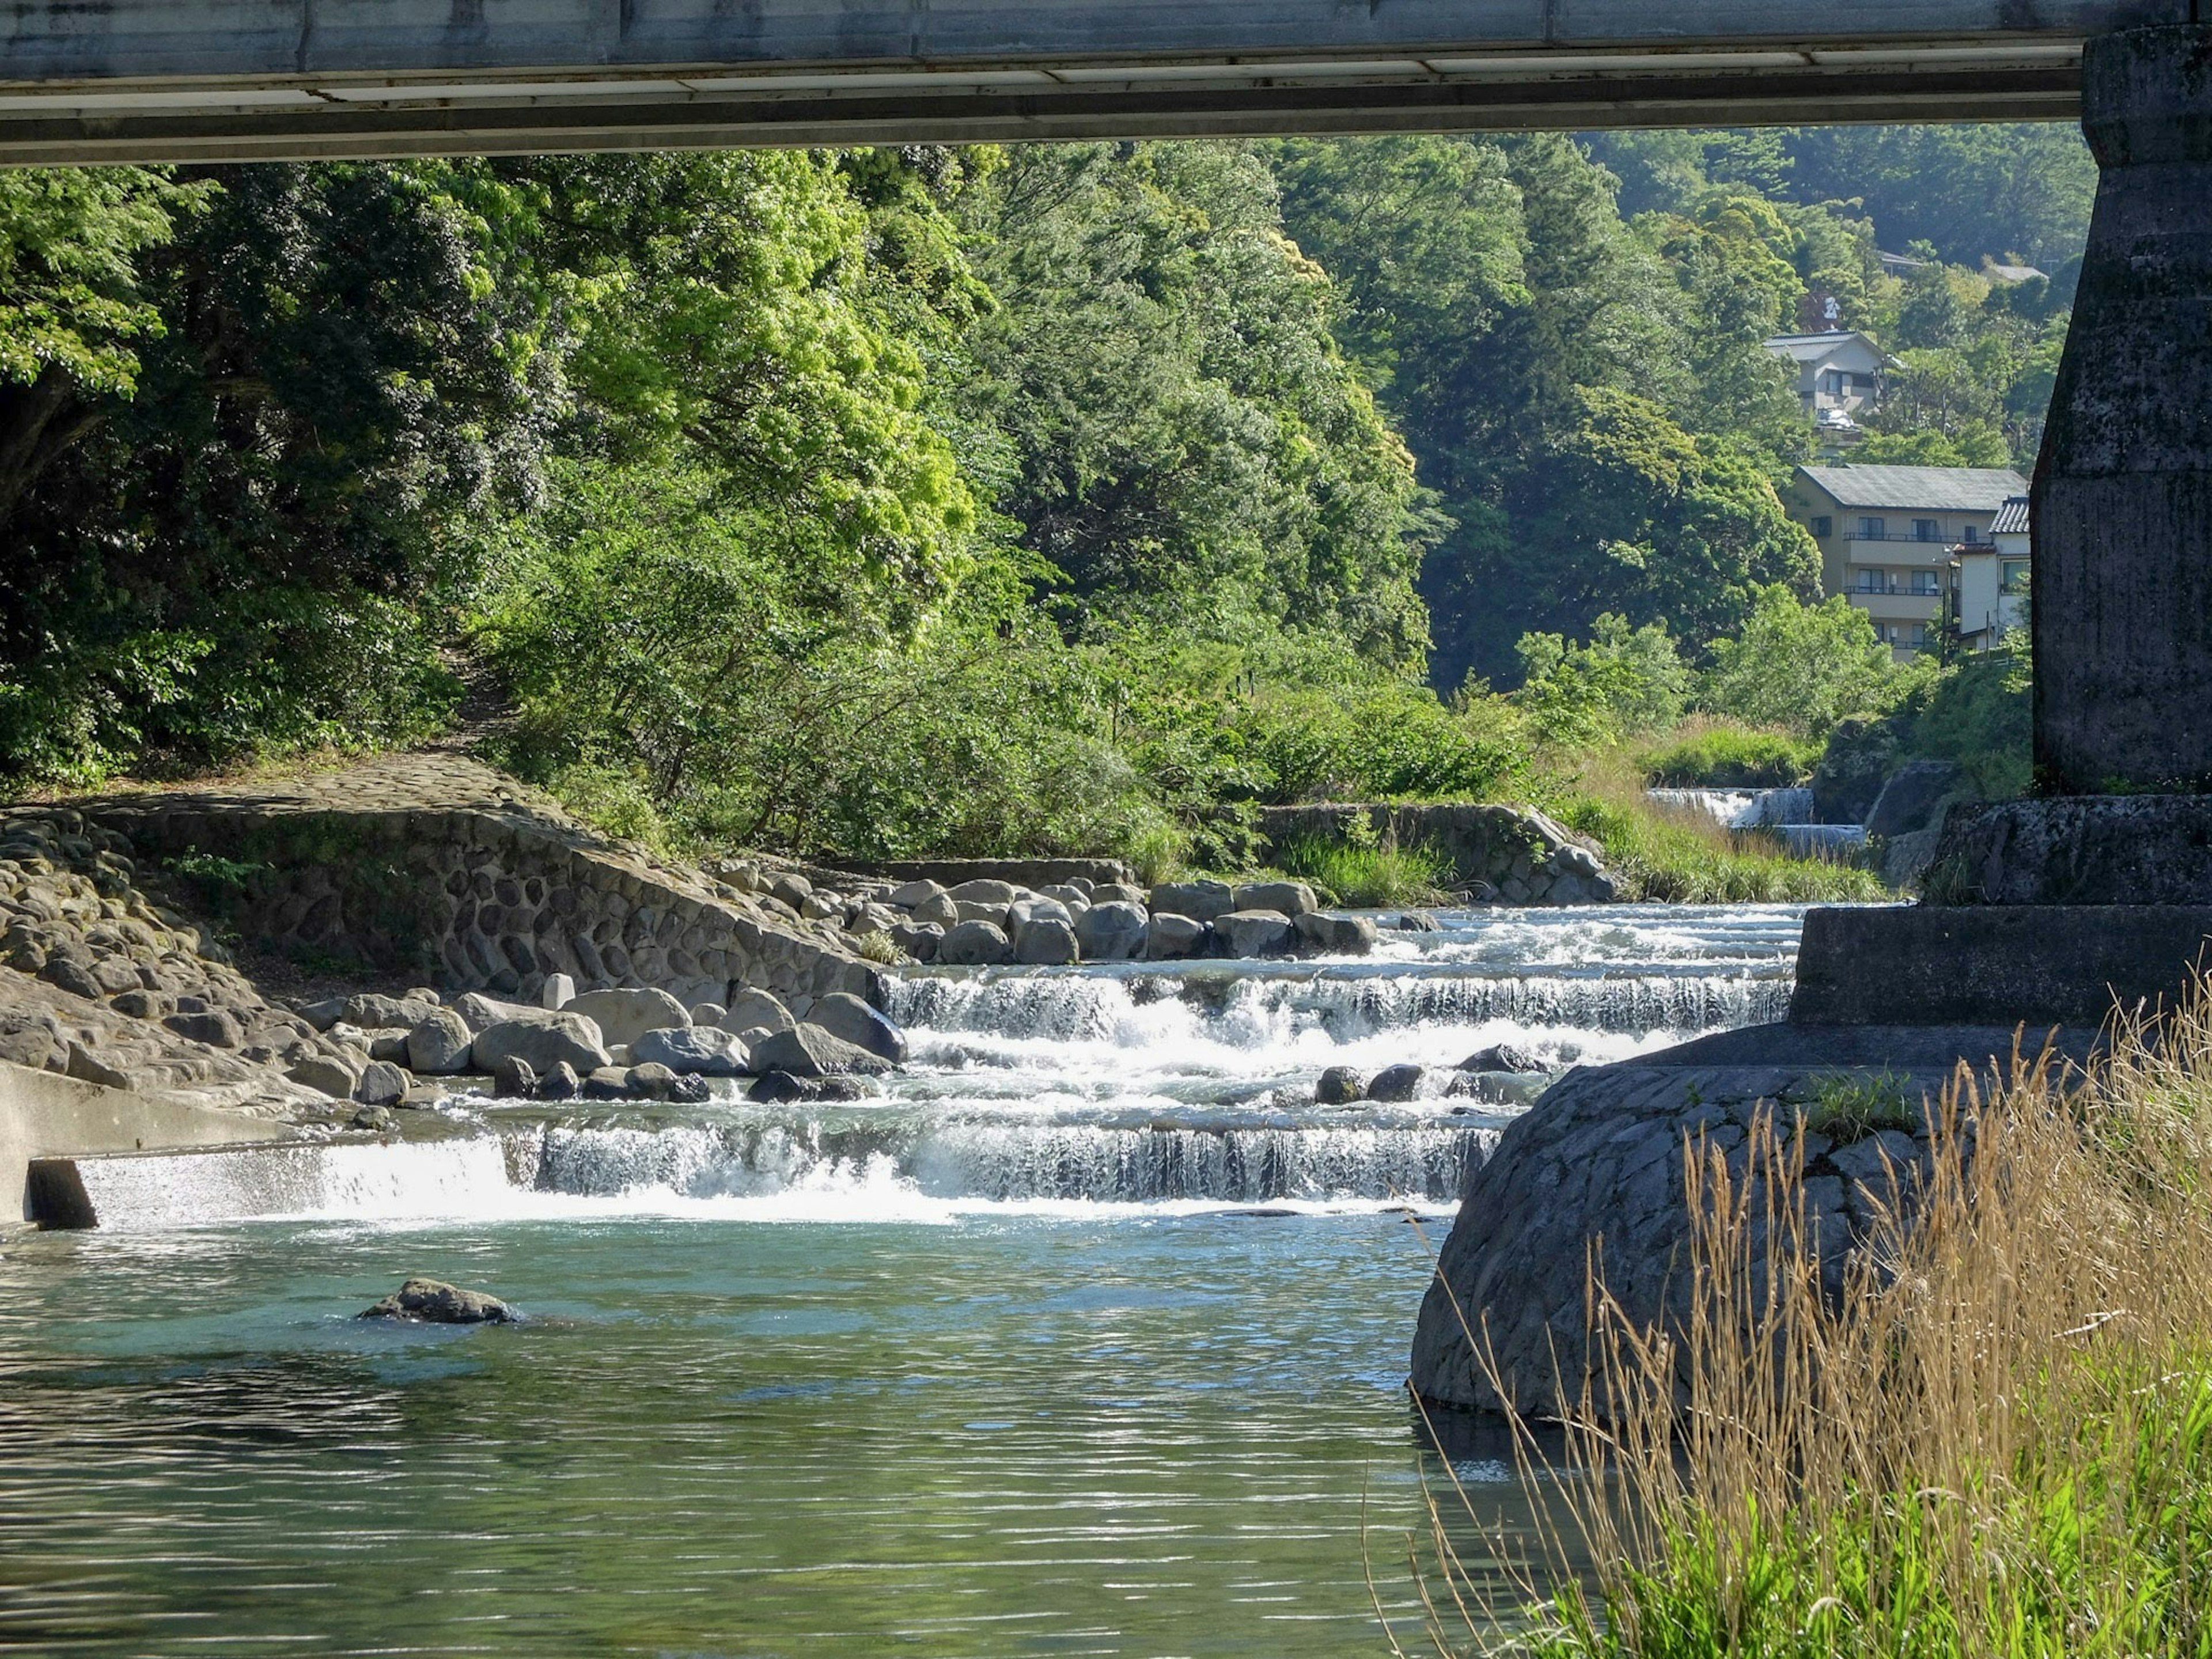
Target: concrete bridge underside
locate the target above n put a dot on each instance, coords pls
(204, 80)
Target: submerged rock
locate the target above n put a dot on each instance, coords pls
(434, 1302)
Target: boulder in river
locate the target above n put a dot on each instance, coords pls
(566, 1036)
(708, 1051)
(780, 1089)
(1339, 1086)
(325, 1073)
(1201, 900)
(1395, 1083)
(513, 1078)
(974, 944)
(1501, 1057)
(624, 1016)
(559, 1082)
(751, 1008)
(1111, 932)
(1171, 937)
(434, 1302)
(439, 1046)
(808, 1051)
(842, 1014)
(1293, 898)
(382, 1084)
(1046, 942)
(1254, 932)
(1335, 936)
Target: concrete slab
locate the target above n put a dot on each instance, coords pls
(43, 1115)
(1994, 965)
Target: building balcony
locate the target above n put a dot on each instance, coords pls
(1898, 606)
(1897, 549)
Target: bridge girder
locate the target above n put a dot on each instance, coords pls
(206, 80)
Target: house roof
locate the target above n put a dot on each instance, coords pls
(1811, 348)
(1931, 489)
(2011, 519)
(2009, 273)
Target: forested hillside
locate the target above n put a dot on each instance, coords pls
(898, 501)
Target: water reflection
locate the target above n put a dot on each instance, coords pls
(1174, 1434)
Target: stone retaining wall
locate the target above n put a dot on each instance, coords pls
(1519, 855)
(436, 865)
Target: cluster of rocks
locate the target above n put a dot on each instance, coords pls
(101, 982)
(622, 1043)
(434, 1302)
(1348, 1086)
(989, 922)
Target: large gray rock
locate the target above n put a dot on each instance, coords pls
(986, 891)
(1254, 932)
(624, 1016)
(1598, 1162)
(1291, 898)
(974, 944)
(708, 1051)
(751, 1008)
(566, 1038)
(439, 1046)
(1396, 1085)
(912, 893)
(808, 1051)
(326, 1074)
(373, 1013)
(1201, 900)
(939, 910)
(918, 939)
(1336, 935)
(382, 1084)
(844, 1015)
(211, 1026)
(1036, 908)
(1171, 938)
(1046, 943)
(480, 1011)
(1339, 1086)
(1112, 932)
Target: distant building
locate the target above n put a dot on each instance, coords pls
(1989, 582)
(2008, 274)
(1888, 534)
(1839, 374)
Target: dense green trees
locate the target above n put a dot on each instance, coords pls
(927, 500)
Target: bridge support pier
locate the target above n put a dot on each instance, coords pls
(2122, 600)
(2099, 890)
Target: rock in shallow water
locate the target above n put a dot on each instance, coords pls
(842, 1014)
(434, 1302)
(705, 1050)
(1339, 1086)
(1395, 1083)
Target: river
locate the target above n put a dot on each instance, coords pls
(1088, 1337)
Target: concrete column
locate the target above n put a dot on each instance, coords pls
(2122, 600)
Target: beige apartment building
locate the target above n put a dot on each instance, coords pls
(1887, 535)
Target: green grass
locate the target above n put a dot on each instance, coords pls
(1680, 861)
(1849, 1106)
(1732, 758)
(2100, 1551)
(1366, 877)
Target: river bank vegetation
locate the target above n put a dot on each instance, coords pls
(931, 502)
(1996, 1440)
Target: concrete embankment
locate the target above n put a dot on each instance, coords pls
(43, 1115)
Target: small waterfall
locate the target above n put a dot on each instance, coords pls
(353, 1180)
(1257, 1012)
(1739, 808)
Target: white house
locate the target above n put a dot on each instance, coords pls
(1839, 374)
(1989, 581)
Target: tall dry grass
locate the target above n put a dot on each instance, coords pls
(1997, 1440)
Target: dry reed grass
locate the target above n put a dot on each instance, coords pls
(1995, 1440)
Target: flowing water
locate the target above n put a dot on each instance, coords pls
(1087, 1336)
